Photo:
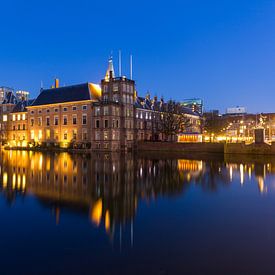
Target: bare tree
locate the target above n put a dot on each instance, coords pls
(173, 120)
(214, 125)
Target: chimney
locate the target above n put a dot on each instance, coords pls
(56, 83)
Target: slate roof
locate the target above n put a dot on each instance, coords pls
(21, 106)
(161, 106)
(72, 93)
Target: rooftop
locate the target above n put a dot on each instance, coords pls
(80, 92)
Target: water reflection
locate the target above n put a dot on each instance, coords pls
(109, 187)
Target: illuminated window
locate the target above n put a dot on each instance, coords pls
(32, 134)
(18, 117)
(13, 117)
(74, 134)
(23, 116)
(48, 134)
(97, 111)
(115, 87)
(106, 110)
(5, 118)
(40, 134)
(97, 135)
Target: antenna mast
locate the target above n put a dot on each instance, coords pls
(119, 63)
(131, 67)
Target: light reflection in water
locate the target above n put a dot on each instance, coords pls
(109, 187)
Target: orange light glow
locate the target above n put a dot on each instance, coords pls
(96, 212)
(107, 221)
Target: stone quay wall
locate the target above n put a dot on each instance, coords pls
(224, 148)
(253, 149)
(181, 147)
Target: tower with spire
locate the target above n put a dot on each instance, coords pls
(110, 73)
(113, 117)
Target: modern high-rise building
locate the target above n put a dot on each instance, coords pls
(4, 93)
(195, 104)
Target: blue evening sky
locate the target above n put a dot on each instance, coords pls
(222, 51)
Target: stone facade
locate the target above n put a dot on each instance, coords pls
(108, 117)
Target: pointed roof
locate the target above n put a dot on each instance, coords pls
(110, 69)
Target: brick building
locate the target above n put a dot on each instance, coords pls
(106, 117)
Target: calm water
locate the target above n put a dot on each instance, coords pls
(111, 214)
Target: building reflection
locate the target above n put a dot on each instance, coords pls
(109, 187)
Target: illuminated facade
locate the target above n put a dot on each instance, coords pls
(241, 127)
(108, 187)
(107, 117)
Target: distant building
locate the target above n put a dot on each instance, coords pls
(195, 104)
(4, 92)
(236, 110)
(22, 95)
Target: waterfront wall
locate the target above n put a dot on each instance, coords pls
(223, 148)
(181, 147)
(166, 148)
(253, 149)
